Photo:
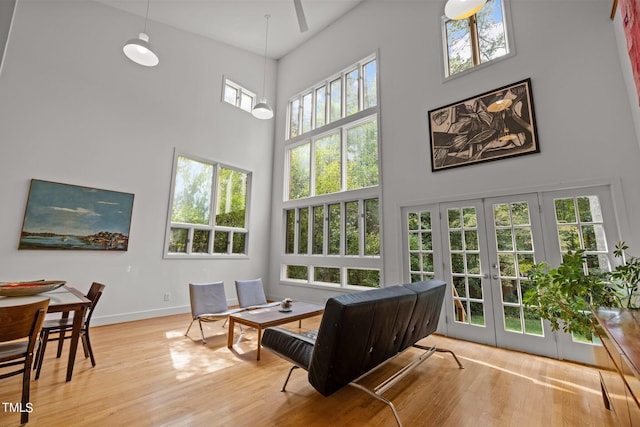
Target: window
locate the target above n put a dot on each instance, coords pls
(209, 209)
(235, 94)
(477, 40)
(343, 95)
(331, 207)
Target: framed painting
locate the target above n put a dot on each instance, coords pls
(490, 126)
(71, 217)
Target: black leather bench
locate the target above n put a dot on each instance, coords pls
(361, 331)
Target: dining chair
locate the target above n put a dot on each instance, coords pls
(60, 327)
(18, 337)
(208, 304)
(251, 294)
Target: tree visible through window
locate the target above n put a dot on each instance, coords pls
(199, 226)
(331, 206)
(476, 40)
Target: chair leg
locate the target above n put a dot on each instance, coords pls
(61, 338)
(202, 332)
(288, 376)
(26, 384)
(88, 350)
(43, 347)
(189, 328)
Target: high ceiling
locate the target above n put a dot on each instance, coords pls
(240, 23)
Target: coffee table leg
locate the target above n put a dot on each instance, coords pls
(259, 341)
(232, 326)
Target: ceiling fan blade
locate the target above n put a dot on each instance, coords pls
(302, 21)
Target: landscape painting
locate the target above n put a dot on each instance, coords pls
(71, 217)
(491, 126)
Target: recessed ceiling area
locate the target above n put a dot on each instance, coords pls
(241, 23)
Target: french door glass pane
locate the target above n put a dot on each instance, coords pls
(464, 258)
(327, 164)
(239, 244)
(220, 242)
(514, 243)
(232, 198)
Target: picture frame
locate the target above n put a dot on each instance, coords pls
(493, 125)
(72, 217)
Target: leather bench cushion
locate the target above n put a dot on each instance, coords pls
(426, 313)
(358, 332)
(297, 348)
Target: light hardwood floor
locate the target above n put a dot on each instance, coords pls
(149, 374)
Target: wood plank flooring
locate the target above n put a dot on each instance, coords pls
(149, 374)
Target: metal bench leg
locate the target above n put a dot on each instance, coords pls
(288, 376)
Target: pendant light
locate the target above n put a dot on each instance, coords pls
(461, 9)
(262, 110)
(139, 50)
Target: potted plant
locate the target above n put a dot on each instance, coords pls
(566, 295)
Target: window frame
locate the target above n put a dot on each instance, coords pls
(509, 42)
(240, 91)
(341, 126)
(211, 226)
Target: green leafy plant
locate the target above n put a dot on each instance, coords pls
(625, 277)
(565, 295)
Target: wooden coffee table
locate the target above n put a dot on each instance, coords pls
(272, 316)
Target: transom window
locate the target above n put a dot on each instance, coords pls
(346, 93)
(238, 96)
(476, 40)
(209, 209)
(331, 207)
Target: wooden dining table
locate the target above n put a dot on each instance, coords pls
(65, 300)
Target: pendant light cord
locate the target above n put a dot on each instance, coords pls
(146, 16)
(266, 38)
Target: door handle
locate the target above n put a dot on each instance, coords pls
(495, 277)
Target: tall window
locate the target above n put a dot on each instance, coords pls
(209, 209)
(331, 211)
(234, 94)
(479, 39)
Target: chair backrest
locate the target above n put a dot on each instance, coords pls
(23, 321)
(250, 292)
(207, 298)
(94, 294)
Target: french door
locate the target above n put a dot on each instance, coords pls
(483, 248)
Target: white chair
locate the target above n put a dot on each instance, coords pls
(251, 295)
(208, 304)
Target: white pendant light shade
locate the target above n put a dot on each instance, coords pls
(139, 51)
(461, 9)
(262, 110)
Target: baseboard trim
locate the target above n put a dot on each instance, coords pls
(138, 315)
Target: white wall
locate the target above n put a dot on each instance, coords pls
(585, 127)
(73, 109)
